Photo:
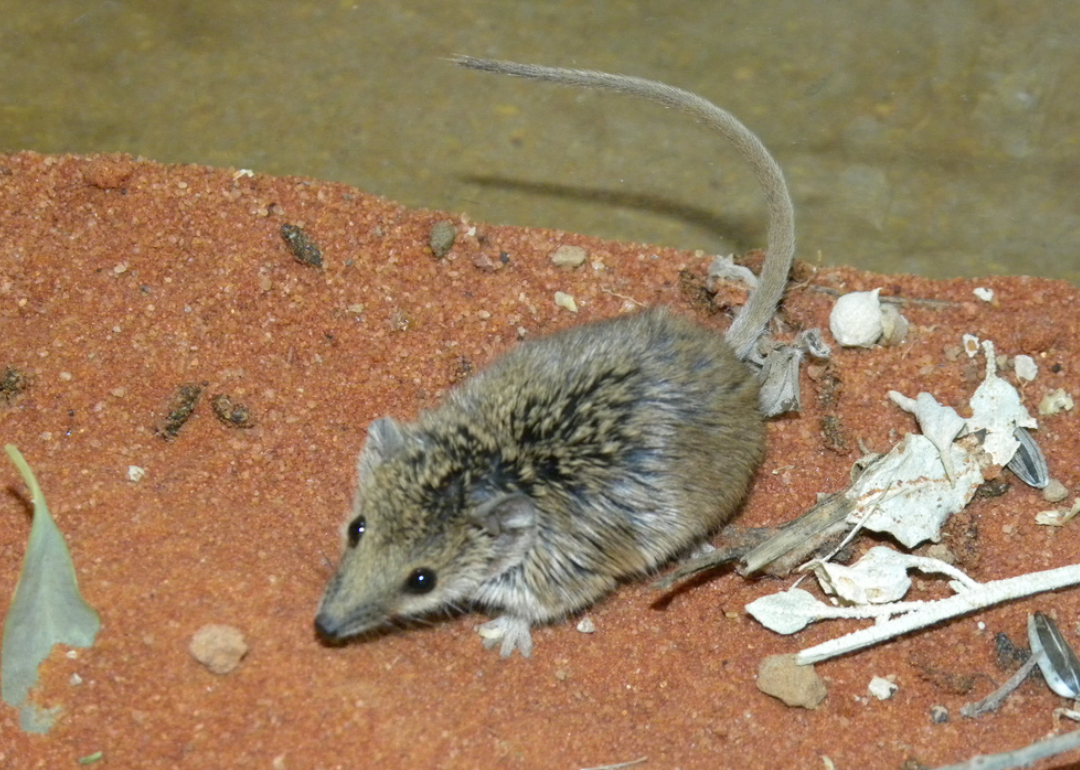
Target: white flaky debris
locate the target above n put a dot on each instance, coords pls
(986, 295)
(789, 612)
(882, 688)
(997, 409)
(1026, 368)
(1056, 517)
(855, 320)
(971, 345)
(880, 576)
(910, 616)
(894, 327)
(725, 269)
(564, 300)
(1056, 401)
(941, 424)
(908, 494)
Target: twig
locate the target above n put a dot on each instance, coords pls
(619, 766)
(994, 699)
(972, 599)
(1006, 760)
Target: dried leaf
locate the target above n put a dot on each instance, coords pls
(47, 609)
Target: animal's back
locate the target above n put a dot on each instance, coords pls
(635, 437)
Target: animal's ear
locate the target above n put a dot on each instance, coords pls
(384, 439)
(511, 520)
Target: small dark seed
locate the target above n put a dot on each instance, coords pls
(1029, 463)
(181, 406)
(233, 415)
(12, 383)
(301, 246)
(1060, 666)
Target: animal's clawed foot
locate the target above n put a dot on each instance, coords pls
(512, 632)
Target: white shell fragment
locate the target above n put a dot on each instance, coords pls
(135, 473)
(855, 320)
(880, 576)
(971, 345)
(997, 409)
(940, 424)
(1057, 518)
(894, 327)
(986, 295)
(1059, 665)
(1026, 368)
(1055, 401)
(882, 688)
(564, 300)
(788, 612)
(908, 494)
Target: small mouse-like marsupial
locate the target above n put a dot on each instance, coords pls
(573, 462)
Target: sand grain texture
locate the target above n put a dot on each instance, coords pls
(121, 280)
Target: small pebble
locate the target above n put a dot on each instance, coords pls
(441, 238)
(881, 688)
(795, 685)
(569, 256)
(219, 648)
(1054, 492)
(586, 625)
(939, 715)
(564, 300)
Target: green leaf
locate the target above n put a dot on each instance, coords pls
(47, 608)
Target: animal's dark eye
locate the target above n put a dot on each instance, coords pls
(355, 531)
(421, 581)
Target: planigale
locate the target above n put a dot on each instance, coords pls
(573, 462)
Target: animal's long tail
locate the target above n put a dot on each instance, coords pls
(752, 320)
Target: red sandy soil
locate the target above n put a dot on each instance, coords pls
(122, 279)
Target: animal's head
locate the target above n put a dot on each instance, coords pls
(421, 536)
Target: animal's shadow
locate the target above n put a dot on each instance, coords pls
(741, 232)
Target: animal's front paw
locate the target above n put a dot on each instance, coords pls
(511, 631)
